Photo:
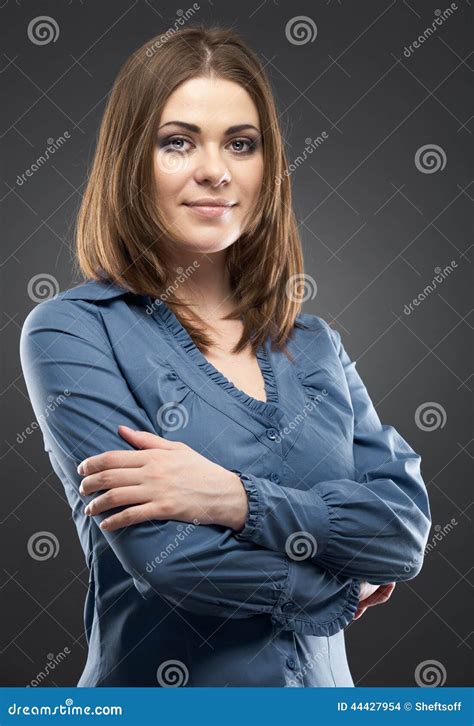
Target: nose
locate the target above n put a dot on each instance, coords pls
(211, 168)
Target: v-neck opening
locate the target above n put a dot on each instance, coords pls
(190, 349)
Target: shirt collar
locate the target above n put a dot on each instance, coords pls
(94, 290)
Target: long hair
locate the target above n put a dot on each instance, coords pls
(121, 235)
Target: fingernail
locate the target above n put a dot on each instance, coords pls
(80, 469)
(87, 510)
(104, 524)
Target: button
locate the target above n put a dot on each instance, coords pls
(274, 477)
(291, 663)
(173, 375)
(271, 434)
(287, 607)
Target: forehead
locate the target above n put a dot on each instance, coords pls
(210, 102)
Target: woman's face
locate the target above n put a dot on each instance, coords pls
(209, 160)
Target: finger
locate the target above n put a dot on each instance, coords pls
(110, 479)
(380, 596)
(112, 460)
(117, 498)
(360, 611)
(145, 440)
(133, 515)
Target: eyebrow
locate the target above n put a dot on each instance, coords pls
(197, 130)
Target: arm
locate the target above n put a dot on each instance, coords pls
(374, 527)
(66, 357)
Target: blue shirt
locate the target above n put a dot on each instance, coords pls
(334, 496)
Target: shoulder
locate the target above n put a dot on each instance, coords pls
(66, 302)
(72, 311)
(313, 327)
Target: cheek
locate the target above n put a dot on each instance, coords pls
(252, 176)
(169, 181)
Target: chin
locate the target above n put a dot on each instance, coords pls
(203, 246)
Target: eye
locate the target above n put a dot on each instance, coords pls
(251, 145)
(169, 143)
(177, 143)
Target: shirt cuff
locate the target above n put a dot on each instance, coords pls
(302, 608)
(292, 521)
(253, 502)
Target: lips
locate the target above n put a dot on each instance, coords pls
(210, 210)
(210, 203)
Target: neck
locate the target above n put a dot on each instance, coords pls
(206, 288)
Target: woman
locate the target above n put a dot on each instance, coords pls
(241, 491)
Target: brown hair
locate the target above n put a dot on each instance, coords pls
(120, 232)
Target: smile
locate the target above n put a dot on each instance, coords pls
(210, 211)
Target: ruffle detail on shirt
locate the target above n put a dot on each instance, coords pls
(265, 408)
(314, 382)
(254, 507)
(170, 384)
(330, 627)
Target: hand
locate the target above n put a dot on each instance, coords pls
(164, 480)
(371, 595)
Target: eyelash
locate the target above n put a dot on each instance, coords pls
(252, 144)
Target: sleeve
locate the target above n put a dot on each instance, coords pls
(79, 397)
(374, 527)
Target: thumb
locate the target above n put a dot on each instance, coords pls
(143, 439)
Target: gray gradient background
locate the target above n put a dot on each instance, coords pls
(373, 226)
